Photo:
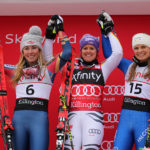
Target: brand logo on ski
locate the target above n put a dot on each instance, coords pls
(6, 124)
(63, 124)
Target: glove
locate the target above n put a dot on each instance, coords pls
(55, 24)
(58, 23)
(105, 22)
(50, 30)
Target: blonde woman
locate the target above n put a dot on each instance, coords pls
(33, 80)
(133, 122)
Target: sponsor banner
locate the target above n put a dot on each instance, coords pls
(12, 29)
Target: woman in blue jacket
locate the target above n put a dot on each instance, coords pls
(133, 122)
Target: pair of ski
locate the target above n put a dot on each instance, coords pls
(63, 122)
(6, 127)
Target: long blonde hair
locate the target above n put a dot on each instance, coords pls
(133, 71)
(20, 66)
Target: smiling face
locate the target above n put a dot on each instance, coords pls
(31, 54)
(88, 53)
(142, 52)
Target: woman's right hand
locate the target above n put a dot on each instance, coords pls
(105, 22)
(55, 24)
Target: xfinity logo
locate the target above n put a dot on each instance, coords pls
(87, 76)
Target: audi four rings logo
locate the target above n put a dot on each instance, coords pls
(90, 90)
(114, 90)
(86, 90)
(107, 145)
(94, 131)
(111, 117)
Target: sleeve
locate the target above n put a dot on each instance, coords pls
(107, 51)
(48, 49)
(9, 70)
(57, 63)
(114, 59)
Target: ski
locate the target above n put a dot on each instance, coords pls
(63, 122)
(6, 124)
(147, 144)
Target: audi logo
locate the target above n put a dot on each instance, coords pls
(94, 131)
(107, 145)
(114, 90)
(95, 90)
(111, 117)
(86, 90)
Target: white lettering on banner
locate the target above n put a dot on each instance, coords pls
(79, 104)
(109, 127)
(73, 39)
(109, 99)
(12, 38)
(111, 117)
(107, 145)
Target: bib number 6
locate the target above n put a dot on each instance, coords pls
(30, 90)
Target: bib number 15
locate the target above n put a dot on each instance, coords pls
(135, 88)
